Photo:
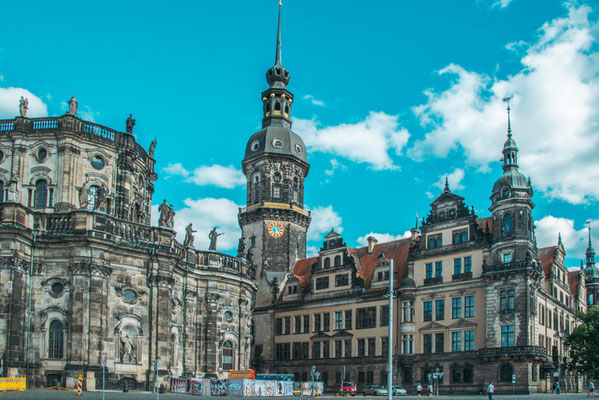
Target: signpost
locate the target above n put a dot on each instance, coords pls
(156, 378)
(103, 361)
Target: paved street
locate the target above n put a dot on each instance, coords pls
(51, 395)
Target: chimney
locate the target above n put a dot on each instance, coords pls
(371, 242)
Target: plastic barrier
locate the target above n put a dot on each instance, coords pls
(13, 384)
(178, 385)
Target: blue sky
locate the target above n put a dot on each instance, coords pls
(391, 97)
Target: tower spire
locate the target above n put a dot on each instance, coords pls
(278, 49)
(509, 109)
(590, 253)
(510, 150)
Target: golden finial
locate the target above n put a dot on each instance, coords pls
(280, 3)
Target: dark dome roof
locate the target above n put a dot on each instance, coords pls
(276, 139)
(407, 283)
(513, 179)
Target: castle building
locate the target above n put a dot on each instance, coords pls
(84, 275)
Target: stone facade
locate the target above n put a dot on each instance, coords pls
(84, 273)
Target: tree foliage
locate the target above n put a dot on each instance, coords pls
(584, 344)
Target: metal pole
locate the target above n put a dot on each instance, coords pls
(390, 337)
(103, 377)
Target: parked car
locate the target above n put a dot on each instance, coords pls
(399, 391)
(348, 388)
(374, 390)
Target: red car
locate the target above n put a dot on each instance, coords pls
(347, 388)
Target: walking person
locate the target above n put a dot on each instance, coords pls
(490, 390)
(557, 389)
(430, 390)
(591, 389)
(419, 390)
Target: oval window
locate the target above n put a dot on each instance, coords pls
(42, 154)
(228, 316)
(277, 143)
(57, 288)
(255, 145)
(97, 162)
(129, 295)
(298, 149)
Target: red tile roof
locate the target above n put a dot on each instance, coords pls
(574, 280)
(547, 255)
(303, 270)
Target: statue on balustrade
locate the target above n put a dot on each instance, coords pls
(130, 123)
(152, 147)
(213, 236)
(73, 106)
(188, 242)
(167, 215)
(241, 246)
(23, 106)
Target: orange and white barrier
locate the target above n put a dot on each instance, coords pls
(13, 384)
(80, 385)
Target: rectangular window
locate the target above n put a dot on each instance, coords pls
(427, 343)
(325, 349)
(297, 351)
(456, 375)
(282, 351)
(456, 341)
(507, 258)
(467, 264)
(297, 324)
(435, 241)
(322, 283)
(253, 242)
(347, 348)
(369, 377)
(385, 316)
(361, 347)
(469, 307)
(279, 326)
(287, 326)
(439, 342)
(326, 322)
(306, 324)
(360, 377)
(338, 320)
(468, 375)
(469, 340)
(507, 336)
(439, 310)
(276, 192)
(427, 314)
(316, 350)
(366, 318)
(338, 348)
(457, 266)
(456, 308)
(439, 269)
(460, 236)
(371, 347)
(348, 319)
(407, 312)
(429, 271)
(407, 344)
(341, 280)
(305, 351)
(317, 327)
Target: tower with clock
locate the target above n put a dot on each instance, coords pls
(274, 222)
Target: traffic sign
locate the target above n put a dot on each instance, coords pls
(103, 359)
(514, 378)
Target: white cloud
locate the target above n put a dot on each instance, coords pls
(367, 141)
(334, 166)
(556, 98)
(502, 3)
(382, 237)
(323, 220)
(575, 240)
(204, 214)
(9, 103)
(222, 176)
(315, 102)
(454, 180)
(312, 251)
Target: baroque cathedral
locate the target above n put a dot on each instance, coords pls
(87, 281)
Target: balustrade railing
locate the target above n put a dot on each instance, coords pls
(62, 223)
(7, 126)
(99, 130)
(43, 124)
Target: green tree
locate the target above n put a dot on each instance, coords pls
(584, 344)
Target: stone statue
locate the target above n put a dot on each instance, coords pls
(130, 123)
(152, 147)
(13, 188)
(170, 222)
(241, 246)
(128, 350)
(83, 196)
(213, 235)
(73, 106)
(23, 106)
(188, 242)
(101, 198)
(163, 209)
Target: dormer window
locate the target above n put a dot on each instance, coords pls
(322, 283)
(434, 241)
(292, 289)
(382, 276)
(337, 261)
(460, 236)
(341, 280)
(327, 262)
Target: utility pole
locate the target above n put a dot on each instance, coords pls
(390, 337)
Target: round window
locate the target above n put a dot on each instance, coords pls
(97, 162)
(506, 193)
(42, 154)
(255, 145)
(277, 143)
(298, 149)
(57, 288)
(129, 295)
(1, 155)
(228, 316)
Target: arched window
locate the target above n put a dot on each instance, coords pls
(92, 195)
(327, 262)
(256, 188)
(277, 177)
(505, 373)
(287, 109)
(296, 182)
(464, 237)
(1, 192)
(267, 108)
(506, 300)
(40, 199)
(227, 363)
(337, 261)
(507, 225)
(277, 108)
(56, 340)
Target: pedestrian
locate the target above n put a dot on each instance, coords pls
(490, 390)
(553, 388)
(591, 389)
(557, 389)
(430, 390)
(419, 390)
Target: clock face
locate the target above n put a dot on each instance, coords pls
(275, 229)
